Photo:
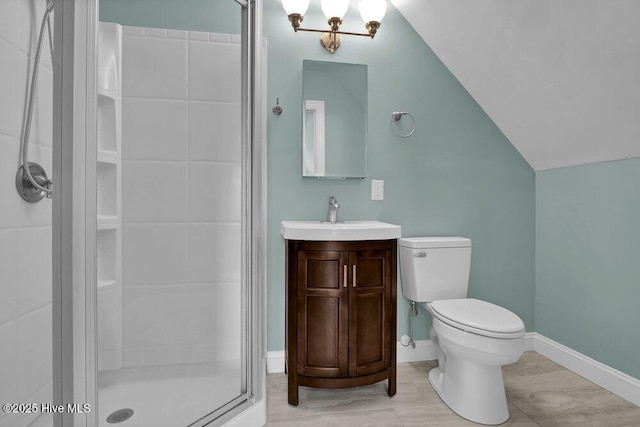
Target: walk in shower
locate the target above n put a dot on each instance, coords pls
(157, 181)
(173, 212)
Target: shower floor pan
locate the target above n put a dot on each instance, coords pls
(175, 395)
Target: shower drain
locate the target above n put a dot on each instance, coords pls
(120, 415)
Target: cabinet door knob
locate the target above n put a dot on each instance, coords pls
(344, 282)
(355, 280)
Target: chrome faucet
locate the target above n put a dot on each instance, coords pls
(332, 216)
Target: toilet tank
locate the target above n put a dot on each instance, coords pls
(434, 268)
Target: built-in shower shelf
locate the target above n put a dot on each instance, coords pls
(109, 123)
(109, 196)
(107, 222)
(104, 284)
(108, 183)
(108, 157)
(108, 94)
(107, 254)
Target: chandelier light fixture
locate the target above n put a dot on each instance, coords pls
(371, 11)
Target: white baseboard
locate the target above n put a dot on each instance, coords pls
(606, 377)
(530, 341)
(425, 350)
(275, 362)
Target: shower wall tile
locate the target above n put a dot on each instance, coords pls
(154, 191)
(9, 161)
(36, 274)
(170, 324)
(34, 340)
(9, 277)
(42, 122)
(199, 36)
(9, 373)
(154, 67)
(214, 192)
(207, 61)
(154, 129)
(155, 32)
(13, 88)
(9, 23)
(133, 31)
(29, 16)
(214, 252)
(172, 355)
(168, 315)
(178, 34)
(219, 38)
(19, 23)
(154, 254)
(214, 131)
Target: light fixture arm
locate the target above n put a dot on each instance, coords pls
(296, 19)
(371, 12)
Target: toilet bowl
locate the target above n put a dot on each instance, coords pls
(469, 376)
(473, 338)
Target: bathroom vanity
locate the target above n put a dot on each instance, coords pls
(340, 305)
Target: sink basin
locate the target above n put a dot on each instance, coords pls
(348, 230)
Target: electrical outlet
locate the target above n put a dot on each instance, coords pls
(377, 189)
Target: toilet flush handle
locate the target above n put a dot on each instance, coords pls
(420, 255)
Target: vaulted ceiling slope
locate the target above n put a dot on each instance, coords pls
(560, 78)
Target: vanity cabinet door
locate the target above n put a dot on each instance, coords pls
(370, 312)
(323, 314)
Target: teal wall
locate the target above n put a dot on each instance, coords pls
(587, 265)
(458, 174)
(214, 16)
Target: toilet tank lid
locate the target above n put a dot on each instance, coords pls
(434, 242)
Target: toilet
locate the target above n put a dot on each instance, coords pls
(473, 338)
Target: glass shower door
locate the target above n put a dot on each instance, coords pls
(171, 192)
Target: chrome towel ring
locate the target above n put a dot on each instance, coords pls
(395, 117)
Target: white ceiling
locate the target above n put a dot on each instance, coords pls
(560, 78)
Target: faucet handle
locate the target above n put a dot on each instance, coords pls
(333, 200)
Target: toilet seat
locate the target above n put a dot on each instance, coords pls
(478, 317)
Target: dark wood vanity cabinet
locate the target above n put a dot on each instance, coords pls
(340, 314)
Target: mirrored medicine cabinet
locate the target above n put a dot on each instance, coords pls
(334, 120)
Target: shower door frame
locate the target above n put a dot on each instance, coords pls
(75, 214)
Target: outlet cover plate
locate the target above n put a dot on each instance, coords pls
(377, 189)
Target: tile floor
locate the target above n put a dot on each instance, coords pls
(540, 393)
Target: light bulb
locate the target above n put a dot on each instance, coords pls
(334, 8)
(295, 6)
(373, 10)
